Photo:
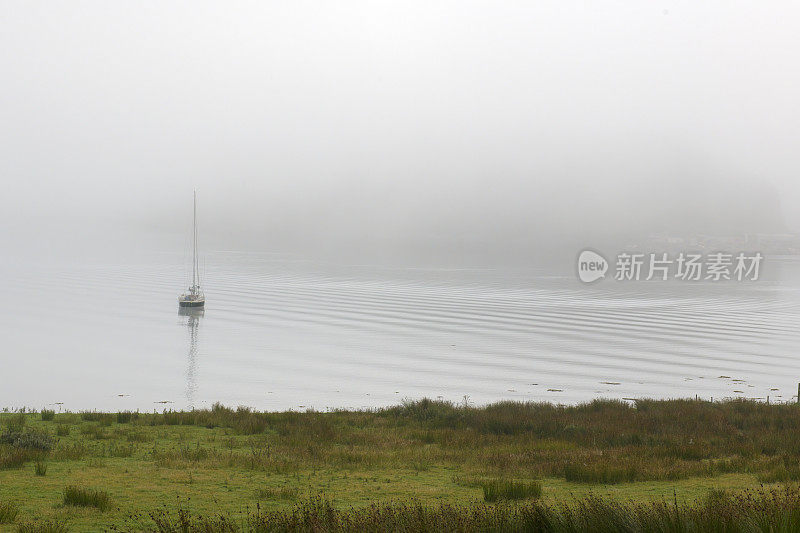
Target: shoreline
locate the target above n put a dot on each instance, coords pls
(159, 407)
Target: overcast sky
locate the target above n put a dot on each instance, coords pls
(401, 122)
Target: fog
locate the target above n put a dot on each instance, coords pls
(398, 129)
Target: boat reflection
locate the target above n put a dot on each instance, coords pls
(193, 315)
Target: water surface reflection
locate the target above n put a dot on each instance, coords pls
(192, 323)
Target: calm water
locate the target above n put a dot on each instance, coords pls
(282, 333)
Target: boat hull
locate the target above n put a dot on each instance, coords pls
(191, 303)
(191, 311)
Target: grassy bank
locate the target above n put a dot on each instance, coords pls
(95, 470)
(752, 511)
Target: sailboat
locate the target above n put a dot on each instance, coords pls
(194, 296)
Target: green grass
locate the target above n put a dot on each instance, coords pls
(279, 493)
(48, 415)
(226, 461)
(47, 526)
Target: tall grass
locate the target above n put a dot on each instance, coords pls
(502, 489)
(70, 451)
(105, 419)
(16, 457)
(95, 431)
(84, 497)
(8, 512)
(648, 440)
(31, 440)
(641, 441)
(19, 447)
(16, 422)
(776, 511)
(125, 417)
(48, 415)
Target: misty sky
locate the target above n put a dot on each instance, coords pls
(401, 124)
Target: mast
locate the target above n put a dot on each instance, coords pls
(194, 250)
